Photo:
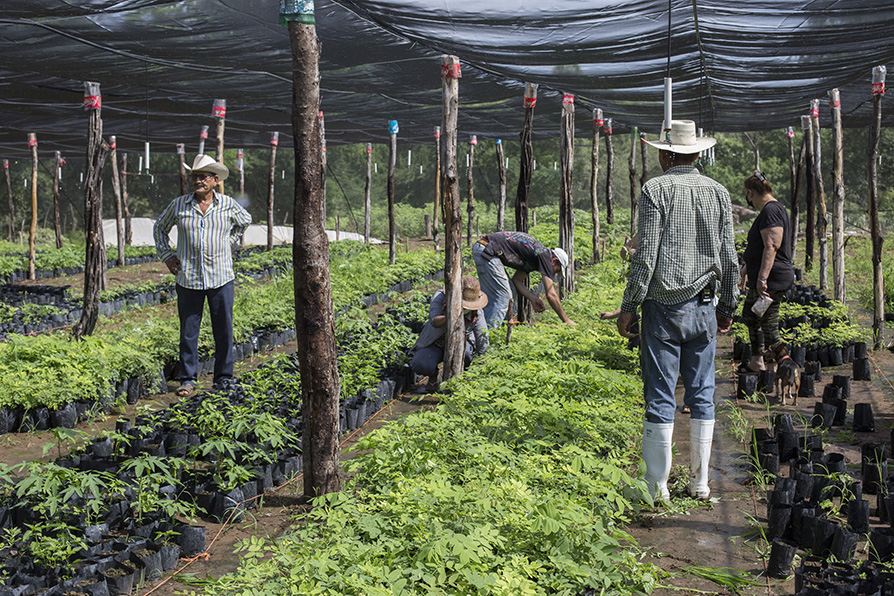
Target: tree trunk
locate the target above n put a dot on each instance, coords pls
(794, 187)
(438, 211)
(57, 220)
(755, 149)
(367, 193)
(526, 166)
(631, 169)
(821, 222)
(128, 230)
(810, 228)
(501, 170)
(323, 161)
(837, 199)
(12, 207)
(609, 173)
(271, 184)
(220, 146)
(392, 233)
(184, 179)
(32, 142)
(566, 198)
(594, 178)
(116, 192)
(314, 318)
(95, 260)
(878, 277)
(644, 152)
(470, 205)
(454, 351)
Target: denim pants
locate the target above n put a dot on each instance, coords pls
(426, 360)
(190, 304)
(495, 284)
(678, 341)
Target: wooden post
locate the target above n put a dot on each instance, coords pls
(470, 205)
(32, 143)
(95, 261)
(609, 173)
(337, 228)
(821, 222)
(525, 168)
(534, 217)
(181, 157)
(644, 153)
(427, 225)
(12, 207)
(454, 351)
(837, 198)
(393, 129)
(57, 221)
(631, 169)
(501, 171)
(878, 277)
(323, 162)
(566, 197)
(594, 178)
(128, 230)
(219, 111)
(240, 165)
(438, 211)
(271, 183)
(810, 228)
(755, 149)
(116, 192)
(368, 203)
(314, 318)
(203, 135)
(795, 187)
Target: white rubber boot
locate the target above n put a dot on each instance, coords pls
(657, 441)
(701, 434)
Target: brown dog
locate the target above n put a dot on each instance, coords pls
(788, 373)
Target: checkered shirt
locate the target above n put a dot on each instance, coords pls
(685, 242)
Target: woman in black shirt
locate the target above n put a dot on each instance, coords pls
(768, 266)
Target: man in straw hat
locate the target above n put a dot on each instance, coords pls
(683, 275)
(207, 224)
(429, 348)
(522, 252)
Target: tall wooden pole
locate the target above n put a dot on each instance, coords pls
(609, 173)
(240, 165)
(566, 197)
(821, 220)
(525, 167)
(128, 230)
(392, 163)
(271, 185)
(181, 157)
(794, 205)
(454, 351)
(219, 111)
(314, 318)
(501, 172)
(878, 277)
(367, 193)
(594, 179)
(470, 205)
(631, 169)
(437, 215)
(116, 192)
(810, 231)
(57, 220)
(203, 135)
(12, 207)
(323, 163)
(837, 198)
(95, 260)
(32, 143)
(644, 154)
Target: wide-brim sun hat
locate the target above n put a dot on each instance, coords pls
(563, 260)
(473, 297)
(683, 139)
(206, 163)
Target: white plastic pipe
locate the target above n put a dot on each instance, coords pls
(668, 102)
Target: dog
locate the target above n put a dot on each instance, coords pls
(788, 373)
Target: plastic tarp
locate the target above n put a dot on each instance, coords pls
(748, 65)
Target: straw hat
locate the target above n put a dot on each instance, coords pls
(473, 297)
(683, 139)
(563, 260)
(206, 163)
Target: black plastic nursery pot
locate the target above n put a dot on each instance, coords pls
(824, 535)
(881, 544)
(862, 371)
(823, 415)
(858, 516)
(782, 554)
(191, 539)
(807, 388)
(779, 520)
(788, 445)
(863, 418)
(766, 379)
(119, 580)
(747, 385)
(783, 423)
(843, 381)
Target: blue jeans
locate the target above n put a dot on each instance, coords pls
(495, 284)
(426, 360)
(678, 341)
(190, 304)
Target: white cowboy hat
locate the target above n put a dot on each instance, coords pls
(206, 163)
(563, 260)
(473, 297)
(683, 139)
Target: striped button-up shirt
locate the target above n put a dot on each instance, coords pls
(685, 242)
(203, 239)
